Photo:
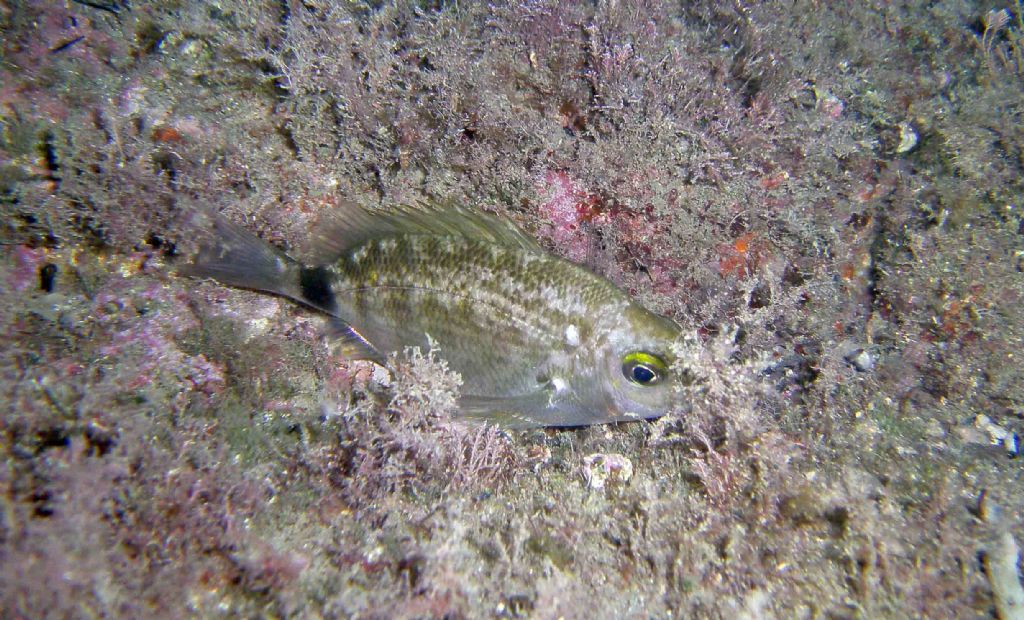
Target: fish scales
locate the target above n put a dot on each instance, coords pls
(538, 340)
(483, 303)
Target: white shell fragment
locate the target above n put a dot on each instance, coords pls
(908, 138)
(1001, 566)
(381, 376)
(862, 360)
(602, 469)
(1000, 558)
(997, 434)
(572, 336)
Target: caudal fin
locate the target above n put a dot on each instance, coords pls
(234, 256)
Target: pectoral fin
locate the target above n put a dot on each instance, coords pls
(545, 406)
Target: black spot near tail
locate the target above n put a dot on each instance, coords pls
(315, 284)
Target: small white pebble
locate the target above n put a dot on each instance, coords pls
(572, 336)
(602, 469)
(381, 376)
(1012, 444)
(863, 361)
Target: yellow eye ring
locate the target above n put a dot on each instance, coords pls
(644, 369)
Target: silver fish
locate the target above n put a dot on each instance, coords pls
(539, 341)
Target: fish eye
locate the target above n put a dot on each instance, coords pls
(643, 368)
(642, 374)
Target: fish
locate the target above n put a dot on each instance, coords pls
(538, 340)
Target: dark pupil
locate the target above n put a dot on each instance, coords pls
(642, 374)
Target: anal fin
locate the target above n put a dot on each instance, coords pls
(351, 343)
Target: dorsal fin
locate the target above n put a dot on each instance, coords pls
(351, 225)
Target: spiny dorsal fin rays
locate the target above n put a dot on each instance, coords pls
(352, 225)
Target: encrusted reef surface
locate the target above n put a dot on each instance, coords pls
(826, 195)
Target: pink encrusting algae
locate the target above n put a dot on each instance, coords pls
(568, 211)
